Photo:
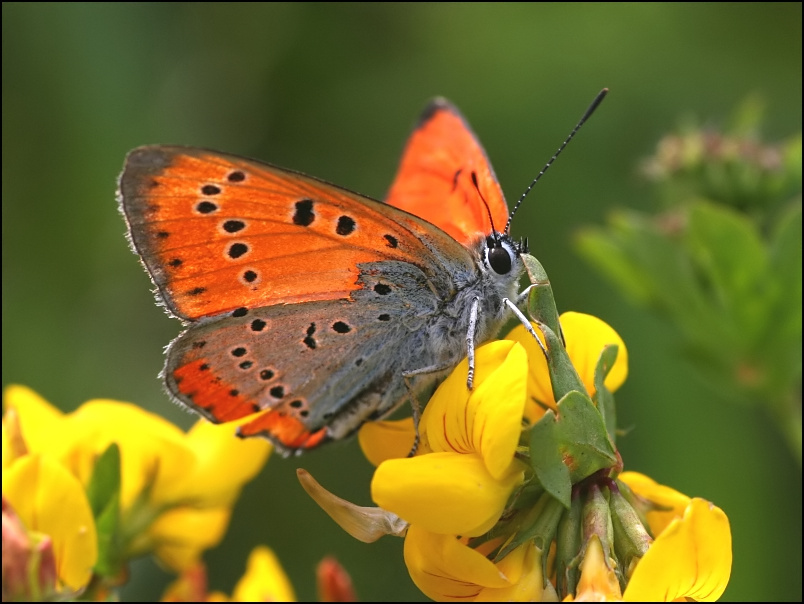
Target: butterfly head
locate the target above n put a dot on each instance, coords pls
(501, 253)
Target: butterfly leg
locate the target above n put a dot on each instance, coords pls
(522, 296)
(470, 342)
(521, 301)
(524, 320)
(414, 401)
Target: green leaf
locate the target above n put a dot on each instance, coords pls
(781, 345)
(645, 257)
(728, 249)
(105, 481)
(784, 270)
(103, 492)
(569, 446)
(603, 397)
(610, 253)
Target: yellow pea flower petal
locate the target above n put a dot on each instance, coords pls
(586, 336)
(383, 440)
(539, 387)
(487, 420)
(690, 559)
(264, 580)
(14, 445)
(153, 451)
(660, 495)
(49, 500)
(499, 402)
(445, 569)
(524, 569)
(176, 488)
(448, 493)
(598, 582)
(224, 463)
(34, 413)
(179, 536)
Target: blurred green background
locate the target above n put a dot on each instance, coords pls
(333, 90)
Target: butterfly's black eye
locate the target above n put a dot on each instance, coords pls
(501, 254)
(499, 260)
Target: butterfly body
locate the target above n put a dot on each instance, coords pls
(312, 305)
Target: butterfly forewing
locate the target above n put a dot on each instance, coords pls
(218, 232)
(443, 174)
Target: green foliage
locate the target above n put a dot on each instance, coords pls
(103, 492)
(722, 264)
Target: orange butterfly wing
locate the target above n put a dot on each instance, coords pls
(435, 181)
(221, 235)
(218, 232)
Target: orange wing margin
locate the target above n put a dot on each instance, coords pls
(434, 180)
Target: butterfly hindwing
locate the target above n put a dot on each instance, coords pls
(315, 370)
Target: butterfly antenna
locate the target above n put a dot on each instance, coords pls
(598, 99)
(485, 203)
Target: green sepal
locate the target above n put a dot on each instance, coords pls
(539, 525)
(563, 376)
(103, 492)
(596, 519)
(541, 301)
(603, 397)
(596, 522)
(631, 539)
(568, 546)
(527, 496)
(569, 446)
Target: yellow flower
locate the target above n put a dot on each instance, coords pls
(691, 556)
(264, 581)
(465, 471)
(690, 559)
(598, 581)
(586, 336)
(389, 439)
(445, 569)
(49, 501)
(177, 488)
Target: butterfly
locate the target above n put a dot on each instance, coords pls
(311, 306)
